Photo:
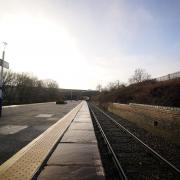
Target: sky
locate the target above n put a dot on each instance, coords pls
(83, 43)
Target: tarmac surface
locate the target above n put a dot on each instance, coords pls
(19, 125)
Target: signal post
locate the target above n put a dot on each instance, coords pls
(3, 65)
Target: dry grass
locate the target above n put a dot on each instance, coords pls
(165, 93)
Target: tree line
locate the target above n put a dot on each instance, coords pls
(21, 88)
(139, 76)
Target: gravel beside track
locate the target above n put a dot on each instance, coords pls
(161, 145)
(136, 160)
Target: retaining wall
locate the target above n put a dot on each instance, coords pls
(163, 121)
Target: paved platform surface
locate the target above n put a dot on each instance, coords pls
(19, 125)
(77, 155)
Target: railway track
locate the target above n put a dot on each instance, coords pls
(132, 158)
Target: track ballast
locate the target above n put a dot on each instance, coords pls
(131, 158)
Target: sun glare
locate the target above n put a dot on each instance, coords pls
(42, 45)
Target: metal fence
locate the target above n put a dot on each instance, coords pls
(169, 76)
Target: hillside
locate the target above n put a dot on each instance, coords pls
(165, 93)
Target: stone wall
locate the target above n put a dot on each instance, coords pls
(162, 121)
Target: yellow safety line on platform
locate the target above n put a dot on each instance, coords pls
(25, 163)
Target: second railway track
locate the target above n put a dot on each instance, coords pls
(132, 158)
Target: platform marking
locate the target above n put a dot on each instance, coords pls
(44, 115)
(11, 129)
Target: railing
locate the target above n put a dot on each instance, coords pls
(169, 76)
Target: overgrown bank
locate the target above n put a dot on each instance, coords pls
(164, 93)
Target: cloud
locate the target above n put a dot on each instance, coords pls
(129, 20)
(81, 43)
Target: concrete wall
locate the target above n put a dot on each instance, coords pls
(162, 121)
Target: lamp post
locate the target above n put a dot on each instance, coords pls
(1, 77)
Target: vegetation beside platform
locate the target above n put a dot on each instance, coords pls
(24, 88)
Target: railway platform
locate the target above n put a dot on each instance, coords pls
(67, 150)
(77, 155)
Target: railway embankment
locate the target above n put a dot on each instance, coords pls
(159, 120)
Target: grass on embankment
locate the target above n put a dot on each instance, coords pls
(164, 93)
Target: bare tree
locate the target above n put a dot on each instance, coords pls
(99, 87)
(9, 78)
(49, 83)
(114, 85)
(26, 88)
(139, 76)
(111, 86)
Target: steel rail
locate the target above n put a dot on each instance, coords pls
(121, 172)
(149, 148)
